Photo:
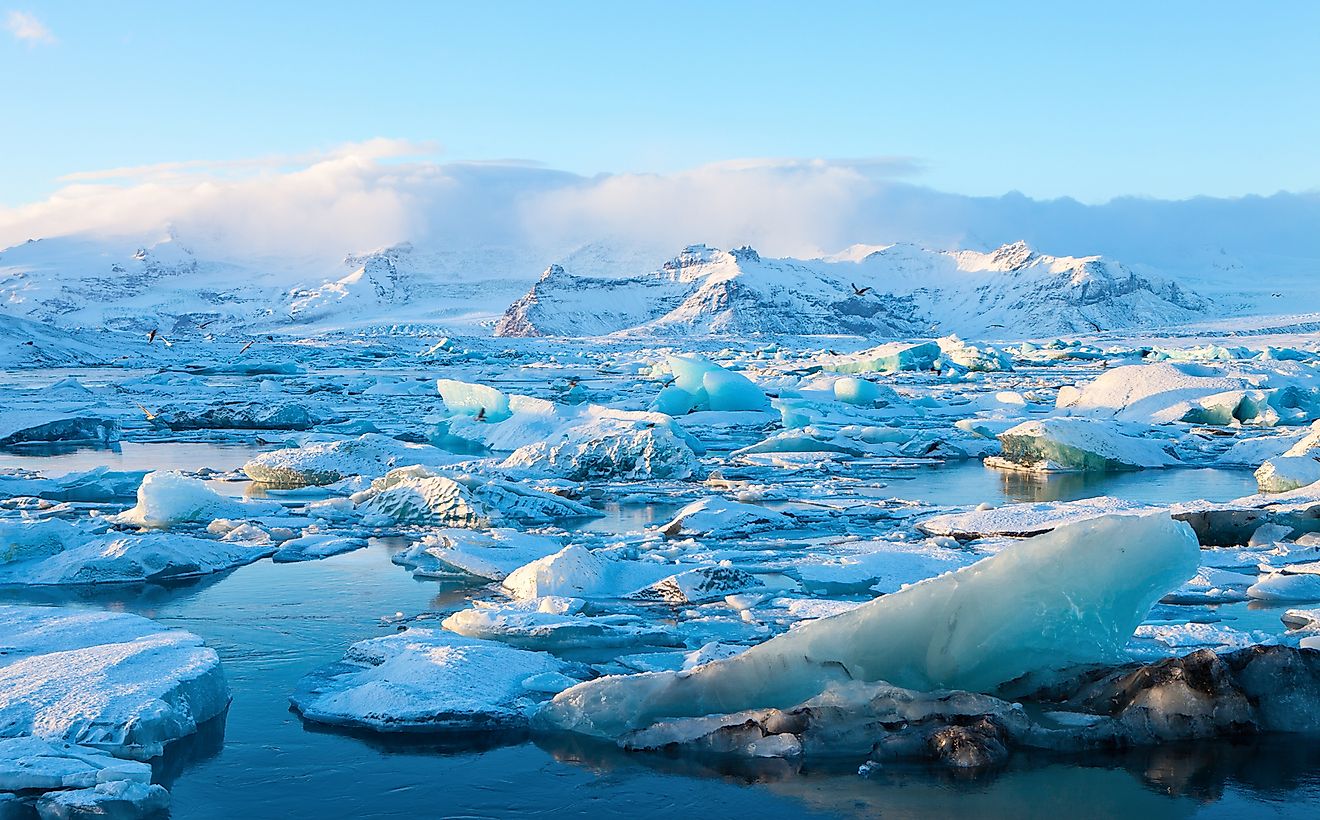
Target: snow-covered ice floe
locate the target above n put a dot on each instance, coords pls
(1061, 445)
(1070, 597)
(435, 680)
(113, 682)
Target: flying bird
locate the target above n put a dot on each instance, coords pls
(150, 415)
(246, 346)
(151, 337)
(860, 291)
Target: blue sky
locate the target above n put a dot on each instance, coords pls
(1167, 99)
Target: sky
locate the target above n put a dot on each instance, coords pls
(1091, 101)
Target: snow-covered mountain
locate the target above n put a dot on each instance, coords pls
(897, 290)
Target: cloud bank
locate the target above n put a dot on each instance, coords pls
(26, 28)
(368, 195)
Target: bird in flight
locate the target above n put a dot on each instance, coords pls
(151, 337)
(860, 291)
(246, 346)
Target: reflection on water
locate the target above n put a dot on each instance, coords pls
(970, 482)
(57, 460)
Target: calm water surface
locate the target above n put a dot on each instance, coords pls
(273, 623)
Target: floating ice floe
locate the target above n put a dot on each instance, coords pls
(578, 572)
(1072, 596)
(315, 546)
(371, 455)
(1285, 473)
(434, 680)
(1076, 445)
(699, 384)
(1299, 582)
(722, 518)
(239, 416)
(168, 499)
(95, 485)
(114, 682)
(579, 443)
(1020, 520)
(490, 553)
(553, 623)
(54, 553)
(419, 496)
(19, 427)
(890, 357)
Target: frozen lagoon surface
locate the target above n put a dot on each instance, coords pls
(273, 623)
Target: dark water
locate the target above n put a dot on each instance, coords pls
(273, 623)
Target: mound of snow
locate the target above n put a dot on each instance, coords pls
(371, 455)
(168, 499)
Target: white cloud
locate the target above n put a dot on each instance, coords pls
(366, 195)
(26, 27)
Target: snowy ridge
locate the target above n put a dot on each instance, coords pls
(900, 290)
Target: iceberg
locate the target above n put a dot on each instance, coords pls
(110, 681)
(700, 384)
(890, 357)
(476, 400)
(1075, 445)
(315, 465)
(168, 499)
(239, 416)
(432, 680)
(418, 496)
(315, 546)
(96, 485)
(554, 624)
(1284, 473)
(722, 518)
(490, 553)
(112, 558)
(1070, 597)
(19, 427)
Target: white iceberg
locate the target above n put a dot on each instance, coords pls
(418, 496)
(110, 681)
(371, 455)
(19, 427)
(722, 518)
(554, 624)
(1278, 475)
(168, 499)
(1072, 596)
(488, 553)
(434, 680)
(1076, 445)
(114, 558)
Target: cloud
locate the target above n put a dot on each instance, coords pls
(27, 28)
(358, 197)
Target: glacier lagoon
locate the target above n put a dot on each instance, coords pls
(273, 623)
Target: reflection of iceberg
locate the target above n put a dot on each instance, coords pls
(1072, 596)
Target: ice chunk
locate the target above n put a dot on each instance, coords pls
(970, 357)
(315, 546)
(1285, 473)
(576, 571)
(544, 623)
(1150, 393)
(26, 540)
(1076, 445)
(863, 393)
(477, 400)
(418, 496)
(697, 586)
(30, 763)
(19, 427)
(700, 384)
(1019, 520)
(1286, 586)
(114, 799)
(121, 559)
(1071, 596)
(888, 358)
(168, 499)
(239, 416)
(720, 517)
(610, 444)
(424, 679)
(97, 484)
(110, 681)
(371, 455)
(490, 553)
